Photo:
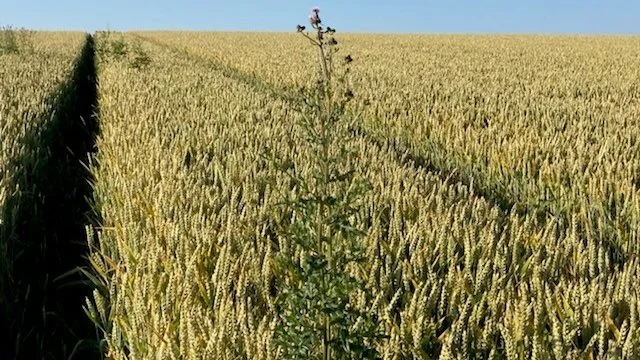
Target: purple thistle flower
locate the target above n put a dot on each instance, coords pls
(314, 18)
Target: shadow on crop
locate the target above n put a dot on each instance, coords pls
(44, 232)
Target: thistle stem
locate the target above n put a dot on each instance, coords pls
(324, 168)
(323, 58)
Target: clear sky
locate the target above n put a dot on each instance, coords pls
(416, 16)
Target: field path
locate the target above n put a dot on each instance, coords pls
(48, 319)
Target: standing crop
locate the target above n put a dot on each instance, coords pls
(13, 41)
(456, 263)
(39, 114)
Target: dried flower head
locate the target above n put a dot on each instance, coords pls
(300, 28)
(348, 59)
(348, 94)
(333, 41)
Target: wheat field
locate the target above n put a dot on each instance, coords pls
(501, 220)
(29, 86)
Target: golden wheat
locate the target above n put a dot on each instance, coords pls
(187, 247)
(29, 82)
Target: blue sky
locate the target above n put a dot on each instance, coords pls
(414, 16)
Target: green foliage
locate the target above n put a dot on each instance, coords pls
(118, 48)
(140, 58)
(318, 314)
(108, 46)
(113, 47)
(13, 41)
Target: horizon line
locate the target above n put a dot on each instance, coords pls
(354, 32)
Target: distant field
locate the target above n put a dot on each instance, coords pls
(547, 124)
(503, 216)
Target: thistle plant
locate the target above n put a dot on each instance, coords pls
(317, 311)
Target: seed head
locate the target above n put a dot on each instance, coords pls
(300, 28)
(348, 59)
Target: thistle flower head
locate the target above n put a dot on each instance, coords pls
(314, 18)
